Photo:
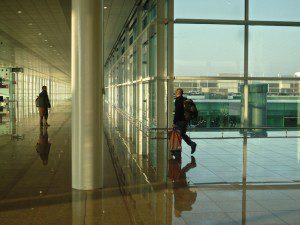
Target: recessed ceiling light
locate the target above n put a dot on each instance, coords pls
(46, 40)
(105, 7)
(20, 12)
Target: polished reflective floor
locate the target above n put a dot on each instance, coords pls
(206, 188)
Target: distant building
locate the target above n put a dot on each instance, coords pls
(231, 87)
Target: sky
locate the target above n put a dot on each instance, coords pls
(208, 50)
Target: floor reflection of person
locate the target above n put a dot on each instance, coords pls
(43, 145)
(184, 198)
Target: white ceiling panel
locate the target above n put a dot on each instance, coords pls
(41, 28)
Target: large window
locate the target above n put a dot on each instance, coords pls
(209, 9)
(208, 50)
(274, 51)
(274, 10)
(261, 52)
(152, 56)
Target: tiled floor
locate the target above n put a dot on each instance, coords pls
(268, 159)
(205, 189)
(34, 193)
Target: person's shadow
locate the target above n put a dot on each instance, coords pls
(184, 198)
(43, 145)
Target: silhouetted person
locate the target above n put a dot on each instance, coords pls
(44, 105)
(184, 198)
(179, 120)
(43, 146)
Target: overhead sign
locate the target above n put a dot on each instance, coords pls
(17, 70)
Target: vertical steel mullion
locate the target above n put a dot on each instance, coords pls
(246, 63)
(246, 100)
(170, 86)
(170, 61)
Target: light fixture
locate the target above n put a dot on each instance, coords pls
(105, 7)
(19, 12)
(46, 40)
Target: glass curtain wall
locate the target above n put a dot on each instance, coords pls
(135, 106)
(131, 82)
(18, 93)
(28, 85)
(223, 46)
(239, 61)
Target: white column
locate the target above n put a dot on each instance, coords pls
(87, 100)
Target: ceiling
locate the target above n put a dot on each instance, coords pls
(36, 33)
(115, 17)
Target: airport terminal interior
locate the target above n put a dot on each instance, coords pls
(112, 68)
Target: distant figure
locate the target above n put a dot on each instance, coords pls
(184, 197)
(179, 120)
(43, 145)
(44, 104)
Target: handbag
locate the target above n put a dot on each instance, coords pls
(175, 140)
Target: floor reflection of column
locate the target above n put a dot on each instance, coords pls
(244, 203)
(161, 210)
(244, 199)
(93, 209)
(162, 155)
(78, 207)
(87, 207)
(245, 156)
(169, 206)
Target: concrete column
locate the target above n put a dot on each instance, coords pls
(87, 98)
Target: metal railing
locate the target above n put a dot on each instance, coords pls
(148, 131)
